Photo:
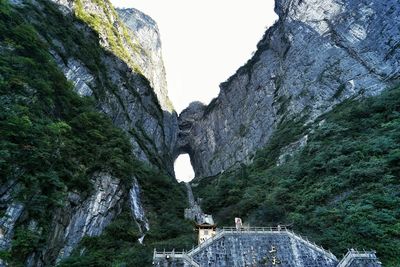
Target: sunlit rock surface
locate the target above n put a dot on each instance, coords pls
(146, 32)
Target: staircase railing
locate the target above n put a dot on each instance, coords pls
(206, 243)
(353, 254)
(175, 255)
(312, 244)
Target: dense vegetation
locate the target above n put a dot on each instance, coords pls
(342, 189)
(53, 141)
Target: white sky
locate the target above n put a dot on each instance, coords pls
(204, 43)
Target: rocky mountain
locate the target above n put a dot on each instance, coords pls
(304, 134)
(89, 136)
(318, 54)
(115, 67)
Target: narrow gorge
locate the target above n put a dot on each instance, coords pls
(304, 134)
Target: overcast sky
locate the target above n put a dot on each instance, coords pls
(204, 43)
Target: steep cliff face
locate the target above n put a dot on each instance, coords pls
(147, 35)
(318, 54)
(135, 51)
(118, 69)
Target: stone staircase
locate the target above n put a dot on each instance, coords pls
(294, 250)
(194, 212)
(260, 230)
(188, 257)
(311, 244)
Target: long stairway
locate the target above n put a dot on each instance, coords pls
(260, 231)
(194, 211)
(189, 257)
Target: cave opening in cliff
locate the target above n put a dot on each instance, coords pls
(183, 168)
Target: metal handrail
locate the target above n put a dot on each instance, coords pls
(313, 245)
(206, 242)
(170, 253)
(254, 229)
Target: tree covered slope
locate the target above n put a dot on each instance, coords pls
(342, 188)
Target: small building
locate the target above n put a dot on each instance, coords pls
(206, 228)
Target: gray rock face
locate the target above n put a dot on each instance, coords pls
(188, 128)
(81, 216)
(88, 216)
(142, 42)
(318, 54)
(146, 33)
(12, 212)
(139, 107)
(91, 216)
(149, 121)
(7, 223)
(75, 71)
